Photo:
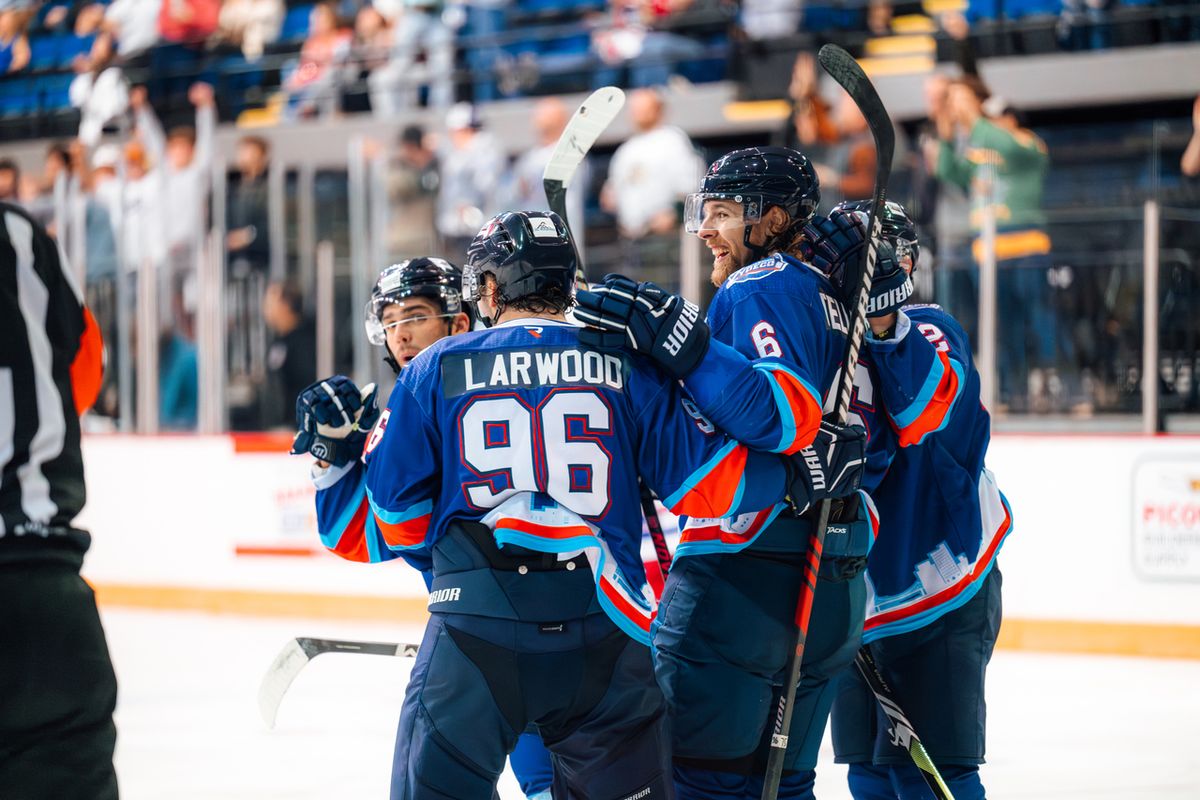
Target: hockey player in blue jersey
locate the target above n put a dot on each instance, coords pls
(414, 304)
(933, 605)
(506, 462)
(722, 635)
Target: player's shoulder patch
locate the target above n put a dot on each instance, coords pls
(758, 270)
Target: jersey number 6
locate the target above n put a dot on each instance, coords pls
(554, 447)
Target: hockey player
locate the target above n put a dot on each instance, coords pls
(933, 600)
(506, 462)
(414, 304)
(723, 634)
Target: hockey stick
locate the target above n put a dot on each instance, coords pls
(298, 652)
(903, 733)
(843, 69)
(595, 114)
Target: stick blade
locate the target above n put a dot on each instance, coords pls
(283, 670)
(842, 67)
(591, 118)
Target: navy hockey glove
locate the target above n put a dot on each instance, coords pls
(835, 244)
(832, 466)
(333, 418)
(646, 319)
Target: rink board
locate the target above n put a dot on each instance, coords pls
(1104, 556)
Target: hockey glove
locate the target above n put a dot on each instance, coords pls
(646, 319)
(832, 466)
(333, 418)
(835, 244)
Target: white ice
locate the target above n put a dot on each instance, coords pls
(1059, 726)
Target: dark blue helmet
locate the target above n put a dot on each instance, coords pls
(528, 253)
(759, 177)
(433, 278)
(895, 225)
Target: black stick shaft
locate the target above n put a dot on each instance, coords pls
(842, 68)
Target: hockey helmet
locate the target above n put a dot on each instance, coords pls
(527, 252)
(758, 178)
(895, 225)
(432, 278)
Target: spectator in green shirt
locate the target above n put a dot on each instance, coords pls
(984, 149)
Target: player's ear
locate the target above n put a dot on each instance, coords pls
(460, 324)
(775, 220)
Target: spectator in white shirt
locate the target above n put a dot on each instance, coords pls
(648, 178)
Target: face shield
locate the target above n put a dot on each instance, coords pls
(373, 316)
(721, 211)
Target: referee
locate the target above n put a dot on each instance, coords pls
(57, 687)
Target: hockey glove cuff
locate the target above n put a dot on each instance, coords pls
(333, 418)
(832, 466)
(835, 245)
(644, 318)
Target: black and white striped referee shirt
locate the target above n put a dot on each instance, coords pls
(50, 358)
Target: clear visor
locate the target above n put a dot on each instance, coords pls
(710, 211)
(377, 329)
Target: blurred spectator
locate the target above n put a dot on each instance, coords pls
(188, 21)
(178, 381)
(99, 91)
(836, 141)
(10, 180)
(636, 40)
(292, 355)
(1004, 168)
(942, 214)
(312, 86)
(648, 178)
(1190, 163)
(550, 117)
(14, 44)
(422, 54)
(471, 162)
(250, 25)
(184, 159)
(99, 234)
(134, 24)
(770, 19)
(248, 240)
(367, 54)
(413, 182)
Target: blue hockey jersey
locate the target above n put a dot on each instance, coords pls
(780, 333)
(520, 427)
(943, 518)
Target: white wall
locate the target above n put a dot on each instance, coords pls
(172, 510)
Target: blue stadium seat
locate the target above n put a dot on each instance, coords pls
(53, 91)
(43, 51)
(295, 24)
(71, 45)
(17, 97)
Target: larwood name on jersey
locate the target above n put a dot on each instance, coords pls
(530, 368)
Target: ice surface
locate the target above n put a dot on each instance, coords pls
(1060, 726)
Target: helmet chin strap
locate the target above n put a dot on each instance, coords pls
(757, 252)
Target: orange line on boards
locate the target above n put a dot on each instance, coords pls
(1029, 635)
(250, 602)
(1107, 638)
(277, 550)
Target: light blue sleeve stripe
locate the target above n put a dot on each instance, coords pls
(787, 420)
(696, 477)
(374, 538)
(396, 517)
(909, 415)
(331, 538)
